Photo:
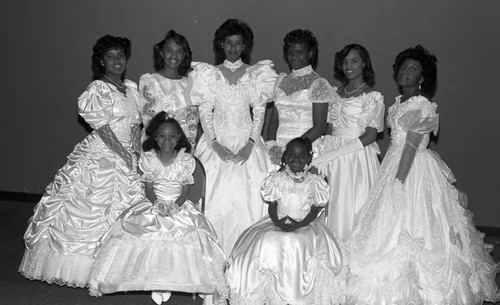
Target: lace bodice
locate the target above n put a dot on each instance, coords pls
(295, 199)
(352, 115)
(103, 104)
(294, 98)
(167, 179)
(417, 114)
(225, 113)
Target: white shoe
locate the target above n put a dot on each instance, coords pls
(208, 299)
(160, 296)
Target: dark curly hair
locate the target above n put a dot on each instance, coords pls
(152, 129)
(103, 45)
(159, 62)
(229, 28)
(301, 141)
(368, 73)
(302, 37)
(428, 63)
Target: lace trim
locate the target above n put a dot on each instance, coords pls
(290, 84)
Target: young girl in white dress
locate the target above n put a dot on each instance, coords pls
(349, 156)
(232, 98)
(164, 243)
(289, 257)
(415, 242)
(167, 89)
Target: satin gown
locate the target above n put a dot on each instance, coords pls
(159, 93)
(87, 194)
(146, 250)
(233, 200)
(305, 266)
(352, 175)
(294, 98)
(417, 244)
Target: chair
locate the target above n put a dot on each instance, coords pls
(197, 190)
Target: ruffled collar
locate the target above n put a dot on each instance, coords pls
(233, 66)
(302, 71)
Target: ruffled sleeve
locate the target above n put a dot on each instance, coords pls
(262, 80)
(201, 90)
(146, 164)
(319, 191)
(186, 166)
(421, 119)
(269, 190)
(320, 91)
(95, 105)
(372, 114)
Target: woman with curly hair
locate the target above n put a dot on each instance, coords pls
(99, 180)
(415, 242)
(349, 153)
(231, 150)
(166, 89)
(301, 98)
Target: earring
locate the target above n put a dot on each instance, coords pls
(420, 85)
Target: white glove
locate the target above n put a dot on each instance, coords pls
(321, 162)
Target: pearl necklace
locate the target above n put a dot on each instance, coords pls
(121, 87)
(233, 66)
(169, 162)
(351, 92)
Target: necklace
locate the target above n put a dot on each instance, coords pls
(169, 161)
(233, 66)
(121, 87)
(351, 92)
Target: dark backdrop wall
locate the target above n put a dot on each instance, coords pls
(46, 58)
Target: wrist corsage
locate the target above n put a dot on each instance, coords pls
(275, 152)
(166, 207)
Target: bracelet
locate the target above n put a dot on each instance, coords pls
(213, 140)
(251, 140)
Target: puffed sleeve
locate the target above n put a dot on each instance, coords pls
(269, 190)
(262, 79)
(146, 164)
(423, 119)
(187, 165)
(95, 105)
(319, 191)
(372, 114)
(201, 90)
(320, 91)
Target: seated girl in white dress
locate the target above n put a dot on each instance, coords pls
(163, 243)
(289, 257)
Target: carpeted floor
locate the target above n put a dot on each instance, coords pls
(15, 289)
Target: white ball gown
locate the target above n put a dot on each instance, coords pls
(416, 243)
(159, 93)
(88, 193)
(148, 250)
(352, 175)
(305, 266)
(233, 201)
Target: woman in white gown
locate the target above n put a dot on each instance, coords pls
(97, 183)
(415, 242)
(231, 150)
(167, 88)
(300, 98)
(349, 154)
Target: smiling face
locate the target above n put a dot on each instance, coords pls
(167, 137)
(173, 54)
(410, 73)
(297, 157)
(299, 55)
(233, 46)
(353, 65)
(114, 62)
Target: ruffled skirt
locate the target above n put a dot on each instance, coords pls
(269, 266)
(148, 251)
(85, 198)
(418, 244)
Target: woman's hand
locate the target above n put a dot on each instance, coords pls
(223, 152)
(244, 153)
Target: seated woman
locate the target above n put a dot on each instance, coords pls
(289, 257)
(301, 98)
(162, 243)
